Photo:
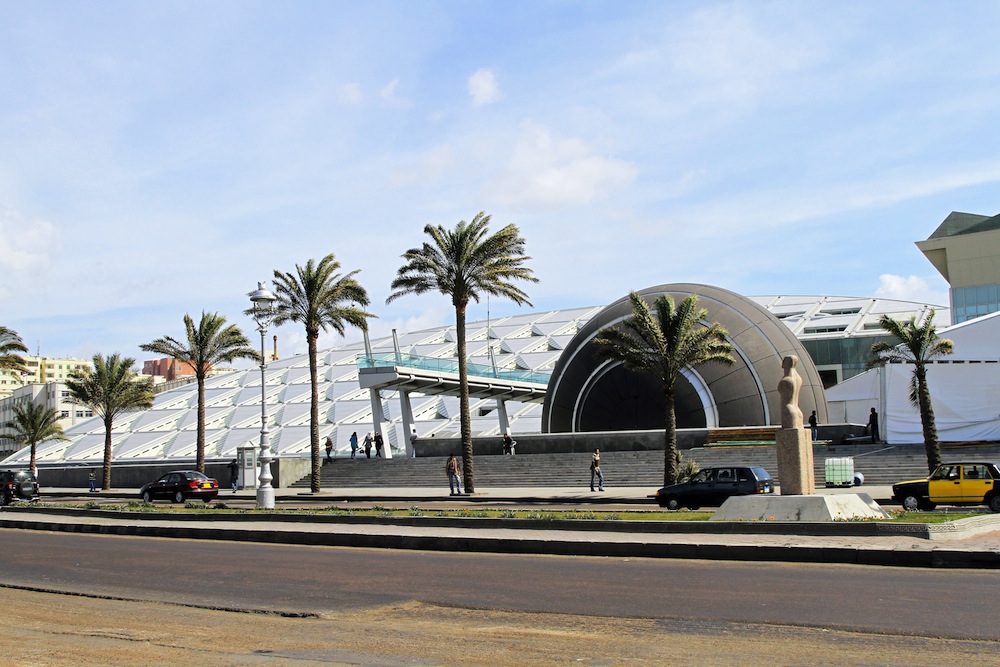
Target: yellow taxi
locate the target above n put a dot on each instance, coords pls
(957, 483)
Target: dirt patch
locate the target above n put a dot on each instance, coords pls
(51, 630)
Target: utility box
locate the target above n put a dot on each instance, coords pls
(840, 472)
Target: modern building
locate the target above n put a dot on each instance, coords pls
(52, 395)
(168, 368)
(838, 332)
(40, 370)
(527, 346)
(965, 249)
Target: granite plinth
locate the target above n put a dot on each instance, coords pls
(772, 507)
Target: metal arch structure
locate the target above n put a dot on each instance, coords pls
(585, 394)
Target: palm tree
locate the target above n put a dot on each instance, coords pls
(10, 345)
(663, 344)
(34, 424)
(463, 264)
(918, 345)
(110, 389)
(208, 344)
(318, 297)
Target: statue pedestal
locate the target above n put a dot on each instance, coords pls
(769, 507)
(795, 462)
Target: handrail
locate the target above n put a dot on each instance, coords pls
(393, 360)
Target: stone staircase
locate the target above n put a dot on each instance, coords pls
(880, 465)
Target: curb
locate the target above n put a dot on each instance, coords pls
(961, 529)
(936, 558)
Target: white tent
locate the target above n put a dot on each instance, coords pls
(965, 390)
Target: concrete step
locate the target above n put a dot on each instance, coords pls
(879, 465)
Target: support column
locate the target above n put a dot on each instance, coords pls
(406, 413)
(502, 416)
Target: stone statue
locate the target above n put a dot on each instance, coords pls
(788, 390)
(794, 446)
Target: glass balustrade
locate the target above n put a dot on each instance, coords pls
(393, 360)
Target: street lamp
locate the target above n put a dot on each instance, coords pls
(263, 312)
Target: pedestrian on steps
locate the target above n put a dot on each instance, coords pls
(595, 471)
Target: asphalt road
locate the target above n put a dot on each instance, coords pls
(306, 580)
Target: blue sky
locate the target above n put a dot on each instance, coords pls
(158, 159)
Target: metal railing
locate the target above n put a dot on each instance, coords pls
(393, 360)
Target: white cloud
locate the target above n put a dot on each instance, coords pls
(909, 288)
(543, 170)
(25, 247)
(483, 88)
(350, 94)
(425, 168)
(389, 96)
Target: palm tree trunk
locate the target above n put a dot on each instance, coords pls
(314, 479)
(34, 469)
(468, 473)
(931, 444)
(200, 446)
(670, 456)
(106, 482)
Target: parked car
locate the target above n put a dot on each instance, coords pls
(180, 485)
(712, 486)
(17, 485)
(957, 483)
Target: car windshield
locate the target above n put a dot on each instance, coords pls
(23, 476)
(946, 472)
(702, 476)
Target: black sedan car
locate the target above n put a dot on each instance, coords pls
(712, 486)
(180, 485)
(955, 483)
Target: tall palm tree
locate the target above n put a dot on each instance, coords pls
(110, 389)
(10, 345)
(208, 344)
(463, 264)
(321, 299)
(663, 343)
(918, 345)
(34, 424)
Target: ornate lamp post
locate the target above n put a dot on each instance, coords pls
(263, 312)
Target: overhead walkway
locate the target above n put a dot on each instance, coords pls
(432, 375)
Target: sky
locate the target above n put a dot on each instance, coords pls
(159, 159)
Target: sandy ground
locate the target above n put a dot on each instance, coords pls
(53, 630)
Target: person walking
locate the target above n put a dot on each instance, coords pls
(508, 444)
(813, 426)
(354, 444)
(873, 426)
(595, 471)
(378, 444)
(454, 483)
(368, 445)
(234, 474)
(329, 447)
(92, 479)
(413, 444)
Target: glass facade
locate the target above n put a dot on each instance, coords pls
(851, 354)
(971, 302)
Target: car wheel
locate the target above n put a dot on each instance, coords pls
(178, 497)
(672, 503)
(994, 502)
(147, 497)
(3, 499)
(911, 503)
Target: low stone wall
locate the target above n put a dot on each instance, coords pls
(565, 443)
(133, 476)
